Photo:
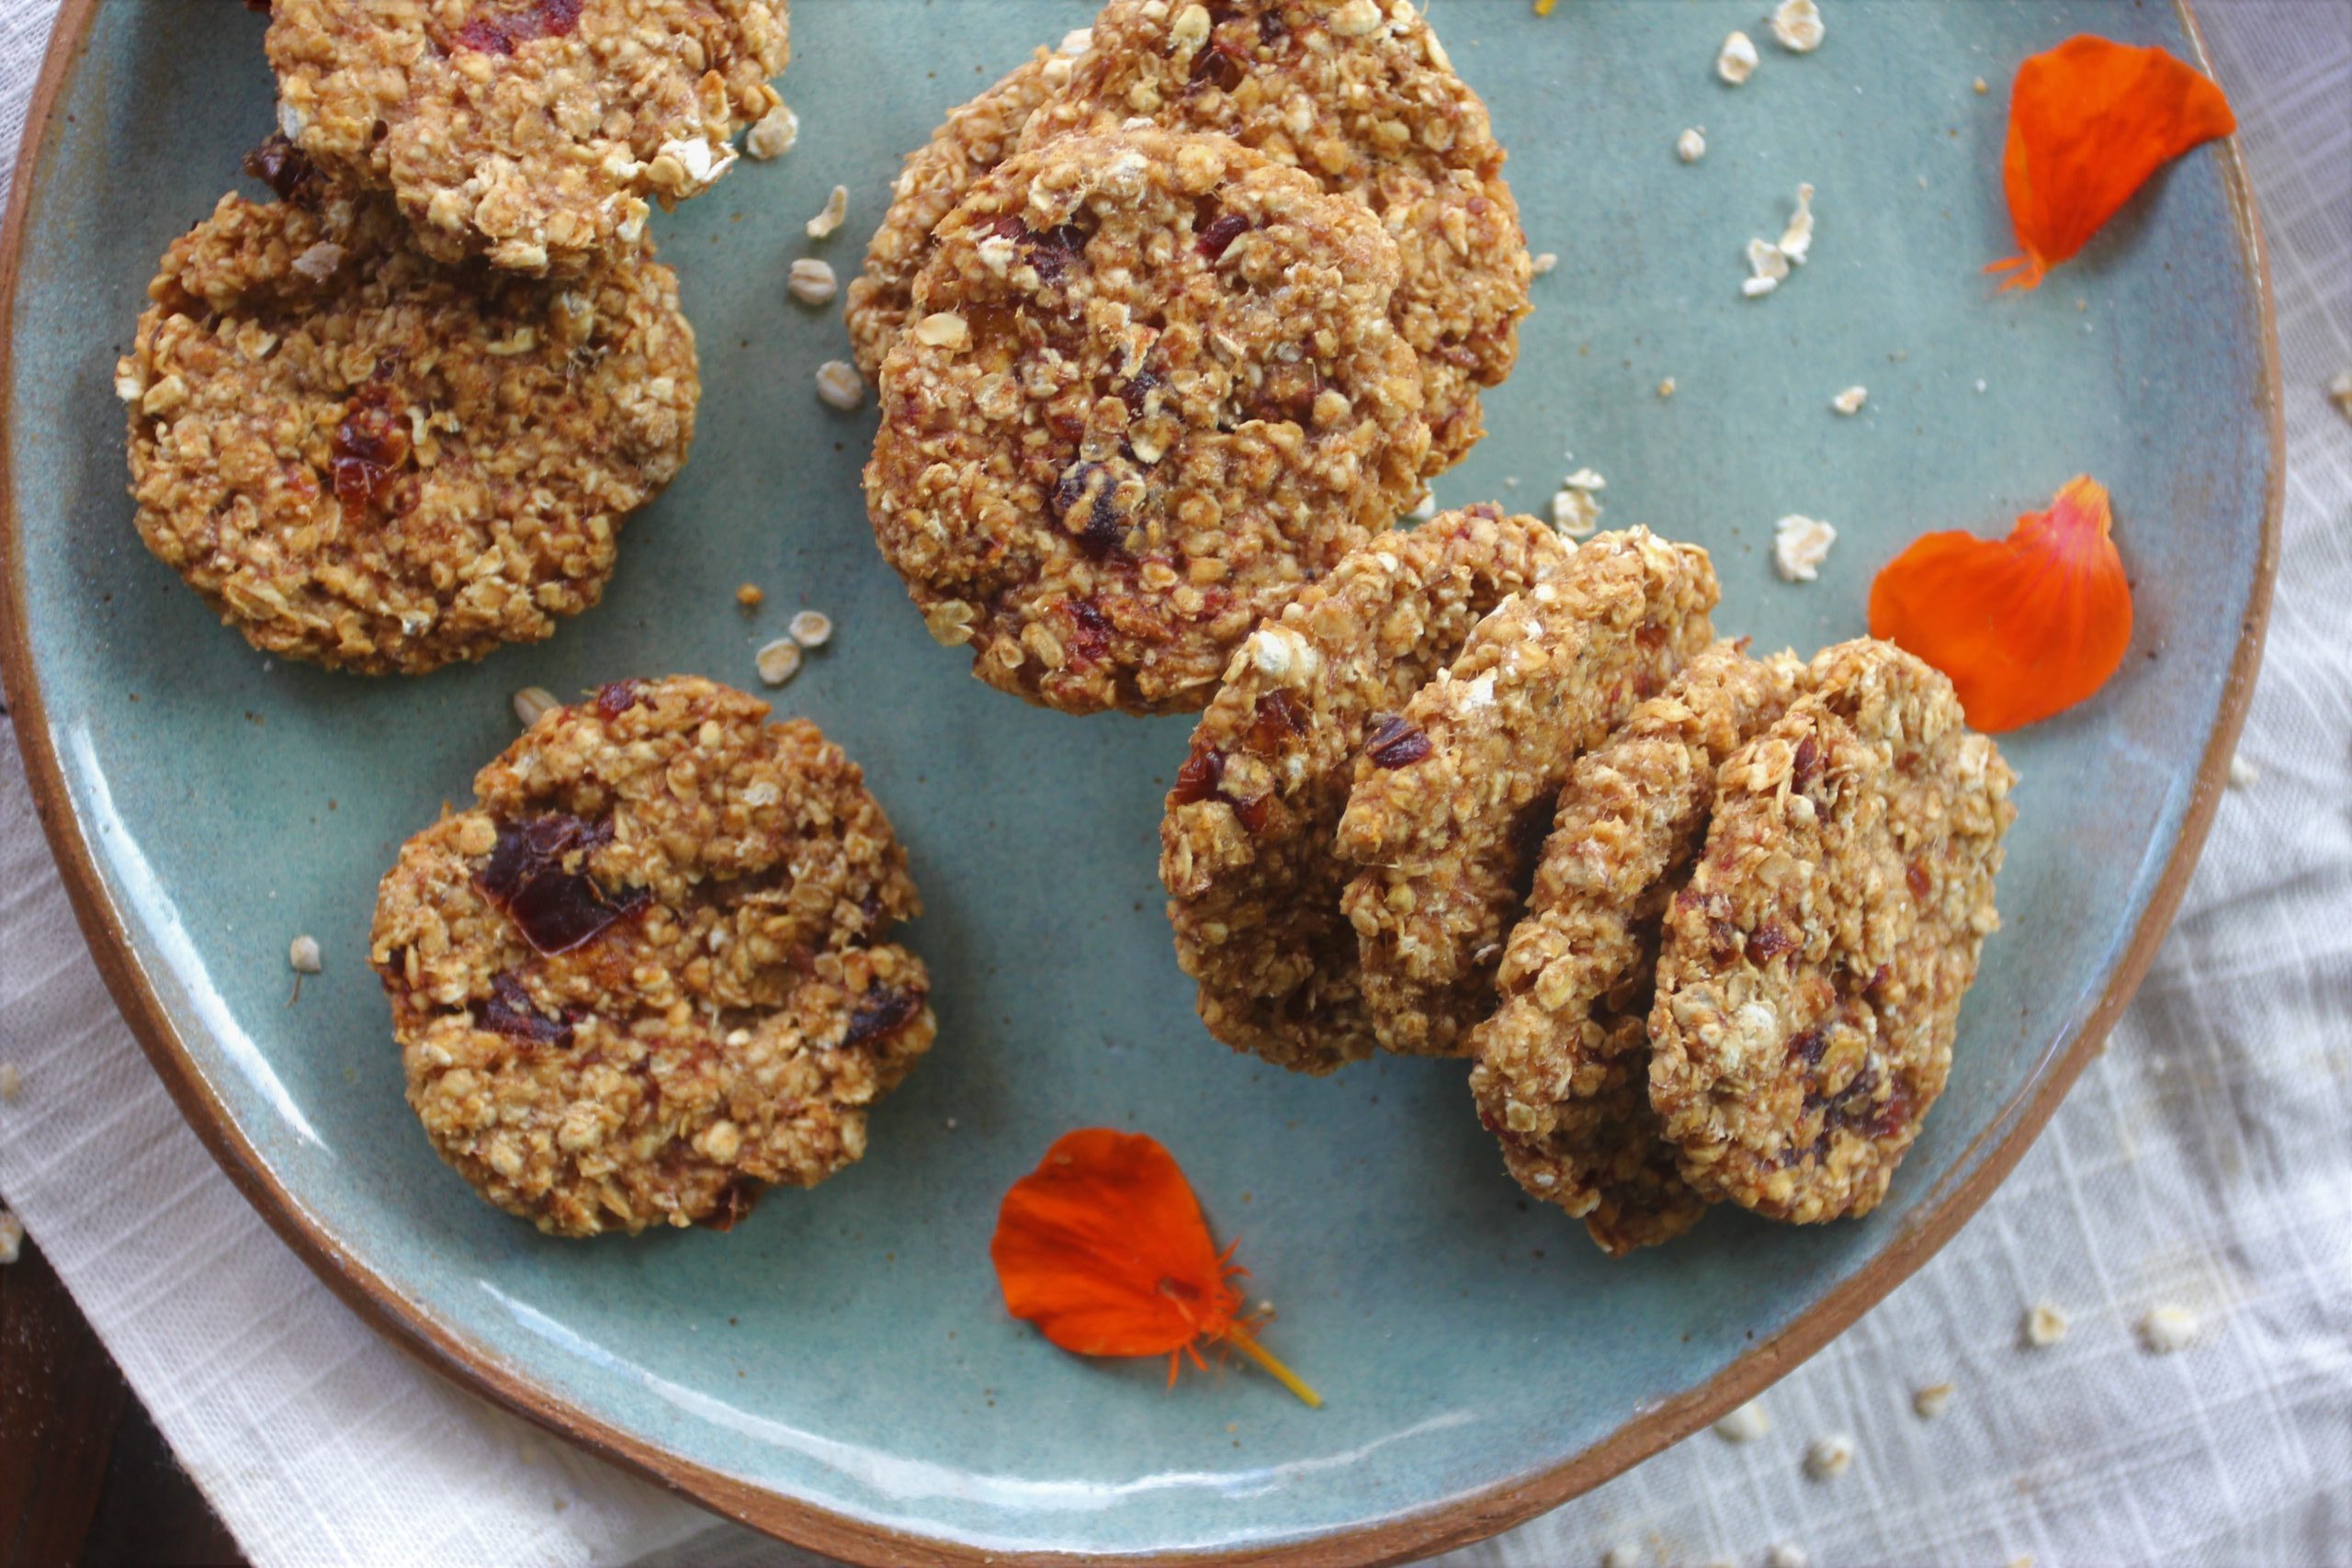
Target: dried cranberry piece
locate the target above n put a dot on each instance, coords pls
(884, 1010)
(508, 1011)
(1395, 743)
(371, 443)
(617, 698)
(558, 910)
(499, 30)
(1089, 636)
(1218, 236)
(1198, 779)
(284, 168)
(1053, 252)
(1768, 942)
(1137, 393)
(1808, 1045)
(1279, 716)
(1253, 815)
(1218, 66)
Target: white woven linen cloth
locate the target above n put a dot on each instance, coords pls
(2204, 1162)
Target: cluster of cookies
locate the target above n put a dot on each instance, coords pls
(396, 416)
(1169, 322)
(1702, 921)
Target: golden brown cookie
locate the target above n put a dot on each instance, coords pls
(366, 459)
(643, 978)
(1361, 95)
(1563, 1067)
(1245, 849)
(1452, 798)
(530, 131)
(1150, 392)
(1810, 981)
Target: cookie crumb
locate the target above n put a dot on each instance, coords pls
(1585, 478)
(1798, 24)
(12, 1080)
(775, 133)
(1788, 1554)
(812, 628)
(1796, 240)
(812, 281)
(1850, 399)
(2044, 1325)
(1980, 384)
(839, 385)
(1799, 546)
(531, 703)
(951, 1123)
(1766, 265)
(1624, 1554)
(2339, 390)
(1735, 61)
(1829, 1457)
(12, 1236)
(779, 662)
(2243, 773)
(1743, 1425)
(2167, 1330)
(303, 954)
(1666, 388)
(750, 596)
(1980, 86)
(1692, 145)
(1545, 262)
(1930, 1400)
(834, 213)
(1574, 512)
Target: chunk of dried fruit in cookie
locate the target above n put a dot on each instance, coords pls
(1562, 1065)
(530, 131)
(368, 460)
(1452, 796)
(1362, 96)
(1245, 845)
(1151, 391)
(1811, 976)
(646, 976)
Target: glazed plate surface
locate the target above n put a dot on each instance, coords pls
(840, 1369)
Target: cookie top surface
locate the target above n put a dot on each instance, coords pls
(1562, 1065)
(1362, 96)
(1810, 981)
(530, 131)
(1151, 391)
(367, 460)
(644, 977)
(1450, 799)
(1246, 844)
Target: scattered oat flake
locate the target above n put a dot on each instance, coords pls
(12, 1236)
(834, 213)
(1789, 1555)
(2243, 773)
(1586, 479)
(2044, 1325)
(2339, 392)
(303, 954)
(1666, 388)
(12, 1080)
(1850, 399)
(2168, 1328)
(1799, 546)
(944, 329)
(1743, 1425)
(750, 596)
(1980, 86)
(1797, 23)
(1829, 1457)
(777, 133)
(1545, 262)
(779, 662)
(1796, 240)
(1930, 1401)
(1735, 61)
(812, 281)
(812, 628)
(1692, 145)
(1574, 512)
(532, 703)
(1766, 265)
(839, 385)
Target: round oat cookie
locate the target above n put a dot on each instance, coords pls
(975, 138)
(1150, 392)
(529, 132)
(1811, 971)
(1245, 845)
(1362, 96)
(1562, 1065)
(1452, 799)
(644, 977)
(365, 459)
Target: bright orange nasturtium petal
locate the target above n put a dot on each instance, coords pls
(2089, 121)
(2024, 626)
(1103, 1247)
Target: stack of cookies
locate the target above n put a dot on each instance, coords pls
(1169, 322)
(396, 417)
(1703, 921)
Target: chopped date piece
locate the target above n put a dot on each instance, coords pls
(508, 1011)
(1090, 635)
(1198, 779)
(1768, 943)
(1085, 497)
(1395, 744)
(1805, 766)
(281, 166)
(497, 29)
(882, 1011)
(557, 910)
(1278, 718)
(1916, 875)
(371, 443)
(1808, 1045)
(1217, 237)
(1254, 813)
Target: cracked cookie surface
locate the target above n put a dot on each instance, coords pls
(530, 131)
(1149, 391)
(1362, 96)
(1246, 844)
(1448, 811)
(1563, 1067)
(1811, 976)
(645, 977)
(365, 459)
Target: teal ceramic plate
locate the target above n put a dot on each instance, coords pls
(839, 1369)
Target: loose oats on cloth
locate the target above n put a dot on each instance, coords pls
(2198, 1163)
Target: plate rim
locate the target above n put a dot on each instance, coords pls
(1459, 1522)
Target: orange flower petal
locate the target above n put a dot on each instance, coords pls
(2024, 626)
(2089, 121)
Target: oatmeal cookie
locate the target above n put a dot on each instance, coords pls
(1810, 980)
(1453, 795)
(643, 978)
(1245, 845)
(529, 132)
(1361, 95)
(1151, 391)
(368, 460)
(1562, 1065)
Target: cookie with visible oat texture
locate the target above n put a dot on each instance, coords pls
(645, 977)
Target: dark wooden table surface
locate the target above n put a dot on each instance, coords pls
(84, 1477)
